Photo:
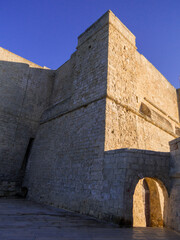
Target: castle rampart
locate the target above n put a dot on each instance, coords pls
(24, 95)
(100, 123)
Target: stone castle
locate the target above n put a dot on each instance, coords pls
(93, 136)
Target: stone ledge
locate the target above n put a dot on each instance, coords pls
(141, 151)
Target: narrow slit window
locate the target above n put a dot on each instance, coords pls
(27, 154)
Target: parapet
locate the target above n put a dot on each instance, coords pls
(107, 18)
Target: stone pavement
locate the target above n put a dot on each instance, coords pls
(25, 220)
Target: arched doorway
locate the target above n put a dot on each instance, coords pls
(149, 203)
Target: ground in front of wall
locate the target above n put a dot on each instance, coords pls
(25, 220)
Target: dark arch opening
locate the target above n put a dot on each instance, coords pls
(149, 203)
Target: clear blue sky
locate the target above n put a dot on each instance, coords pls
(46, 31)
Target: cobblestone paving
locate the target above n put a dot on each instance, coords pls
(24, 220)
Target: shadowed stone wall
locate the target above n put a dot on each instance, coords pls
(65, 166)
(24, 95)
(175, 181)
(122, 171)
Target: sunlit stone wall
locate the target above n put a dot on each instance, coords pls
(139, 219)
(141, 106)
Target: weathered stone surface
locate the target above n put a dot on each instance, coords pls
(24, 95)
(132, 81)
(90, 121)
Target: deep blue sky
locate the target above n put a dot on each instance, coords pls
(46, 31)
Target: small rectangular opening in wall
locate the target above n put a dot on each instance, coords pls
(27, 154)
(145, 110)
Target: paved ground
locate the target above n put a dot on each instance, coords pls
(24, 220)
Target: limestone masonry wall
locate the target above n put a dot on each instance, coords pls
(90, 120)
(123, 168)
(174, 209)
(65, 166)
(24, 94)
(142, 109)
(82, 79)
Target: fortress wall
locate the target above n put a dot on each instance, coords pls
(122, 170)
(65, 167)
(96, 101)
(82, 79)
(23, 96)
(141, 103)
(153, 86)
(126, 129)
(62, 87)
